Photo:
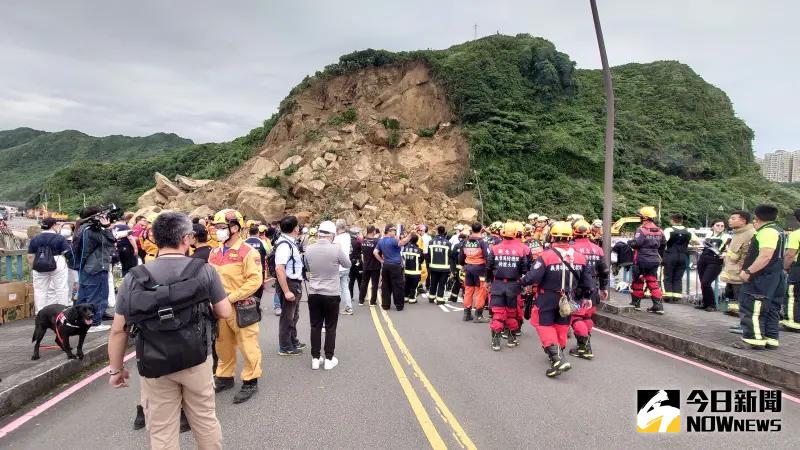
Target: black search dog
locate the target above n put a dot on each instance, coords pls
(65, 322)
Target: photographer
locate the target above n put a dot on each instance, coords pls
(93, 247)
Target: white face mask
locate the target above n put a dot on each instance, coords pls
(223, 235)
(66, 232)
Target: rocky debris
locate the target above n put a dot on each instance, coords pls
(313, 188)
(166, 187)
(318, 164)
(330, 157)
(151, 198)
(262, 167)
(360, 199)
(260, 203)
(378, 135)
(304, 217)
(202, 212)
(467, 215)
(419, 207)
(349, 129)
(296, 160)
(337, 139)
(397, 188)
(147, 210)
(190, 184)
(375, 191)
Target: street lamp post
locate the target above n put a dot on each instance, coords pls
(608, 179)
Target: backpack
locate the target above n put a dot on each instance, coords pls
(44, 260)
(271, 256)
(172, 323)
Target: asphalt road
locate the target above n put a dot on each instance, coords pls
(492, 399)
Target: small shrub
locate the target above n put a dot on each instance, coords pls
(270, 182)
(402, 175)
(362, 127)
(390, 124)
(427, 132)
(349, 115)
(312, 135)
(290, 170)
(394, 138)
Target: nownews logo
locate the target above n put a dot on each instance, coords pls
(660, 411)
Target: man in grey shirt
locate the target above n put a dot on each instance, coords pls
(323, 260)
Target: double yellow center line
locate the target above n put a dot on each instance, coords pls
(420, 412)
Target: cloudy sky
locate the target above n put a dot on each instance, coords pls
(211, 70)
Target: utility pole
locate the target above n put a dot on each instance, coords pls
(475, 31)
(84, 200)
(608, 179)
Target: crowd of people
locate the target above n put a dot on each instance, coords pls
(551, 272)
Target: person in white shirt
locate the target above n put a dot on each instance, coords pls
(343, 240)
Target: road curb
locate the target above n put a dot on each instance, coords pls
(782, 375)
(16, 396)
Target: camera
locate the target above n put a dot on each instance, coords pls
(112, 212)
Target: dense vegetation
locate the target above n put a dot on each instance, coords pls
(124, 182)
(536, 127)
(29, 156)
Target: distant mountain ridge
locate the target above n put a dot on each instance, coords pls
(28, 156)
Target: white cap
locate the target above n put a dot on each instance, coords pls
(459, 227)
(305, 230)
(327, 227)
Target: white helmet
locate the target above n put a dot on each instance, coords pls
(533, 216)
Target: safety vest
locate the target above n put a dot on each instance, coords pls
(678, 241)
(412, 260)
(776, 263)
(439, 251)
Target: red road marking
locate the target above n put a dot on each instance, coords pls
(55, 400)
(697, 364)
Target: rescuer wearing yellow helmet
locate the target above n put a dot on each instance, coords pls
(647, 243)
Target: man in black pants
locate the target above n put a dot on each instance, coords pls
(455, 268)
(438, 262)
(675, 257)
(371, 267)
(356, 269)
(388, 253)
(322, 260)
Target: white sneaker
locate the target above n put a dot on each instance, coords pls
(278, 311)
(331, 363)
(315, 364)
(348, 311)
(98, 328)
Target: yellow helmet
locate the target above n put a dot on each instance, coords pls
(648, 212)
(495, 227)
(581, 228)
(312, 231)
(151, 217)
(229, 216)
(509, 230)
(561, 230)
(262, 228)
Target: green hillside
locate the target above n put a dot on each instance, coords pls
(29, 156)
(536, 127)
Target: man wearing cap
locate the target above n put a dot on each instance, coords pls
(388, 253)
(322, 261)
(49, 287)
(454, 239)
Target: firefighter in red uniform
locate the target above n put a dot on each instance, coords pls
(536, 249)
(508, 262)
(474, 256)
(648, 245)
(559, 272)
(581, 320)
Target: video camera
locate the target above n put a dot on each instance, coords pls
(112, 212)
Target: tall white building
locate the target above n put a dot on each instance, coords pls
(778, 166)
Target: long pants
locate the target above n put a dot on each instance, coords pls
(290, 314)
(355, 279)
(708, 268)
(760, 302)
(550, 326)
(437, 280)
(392, 286)
(674, 270)
(344, 288)
(127, 258)
(323, 311)
(229, 338)
(373, 277)
(455, 278)
(112, 295)
(162, 399)
(645, 274)
(582, 322)
(792, 308)
(93, 289)
(51, 288)
(504, 305)
(411, 282)
(475, 286)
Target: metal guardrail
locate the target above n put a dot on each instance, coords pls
(12, 259)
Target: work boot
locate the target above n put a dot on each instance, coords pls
(431, 299)
(582, 350)
(453, 298)
(249, 388)
(185, 423)
(440, 301)
(479, 316)
(504, 333)
(496, 341)
(467, 314)
(512, 341)
(518, 332)
(411, 300)
(138, 422)
(657, 308)
(558, 364)
(636, 303)
(222, 383)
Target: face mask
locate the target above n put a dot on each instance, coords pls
(223, 235)
(66, 232)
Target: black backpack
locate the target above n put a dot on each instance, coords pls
(271, 255)
(44, 261)
(171, 322)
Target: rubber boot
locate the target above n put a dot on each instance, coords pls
(496, 341)
(138, 422)
(512, 340)
(479, 316)
(657, 308)
(582, 350)
(467, 314)
(558, 362)
(636, 303)
(440, 301)
(432, 299)
(504, 333)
